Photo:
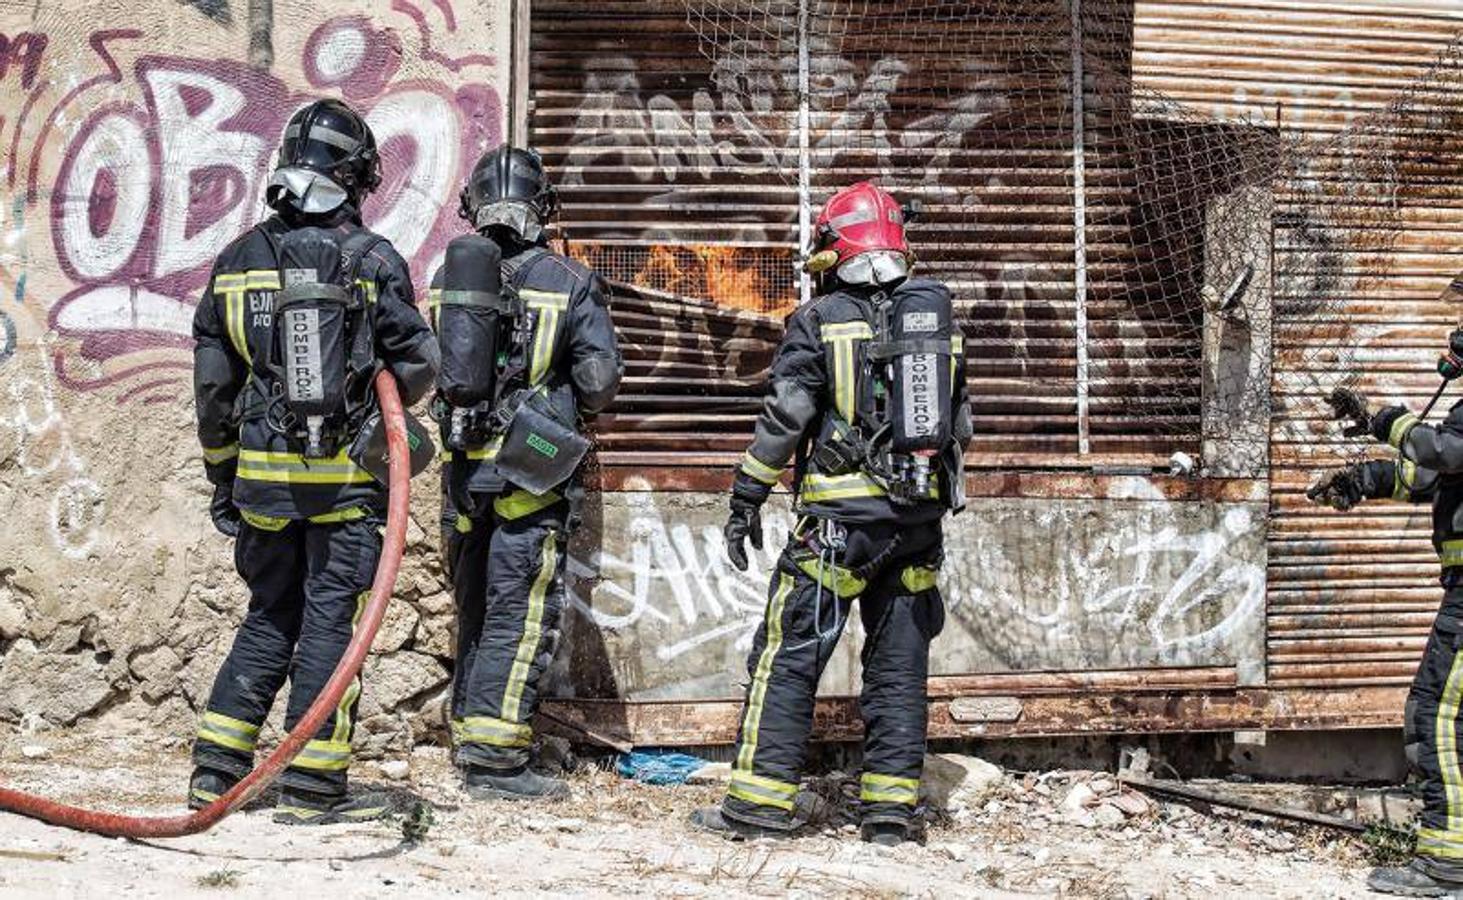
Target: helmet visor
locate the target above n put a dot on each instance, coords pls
(875, 268)
(306, 190)
(516, 216)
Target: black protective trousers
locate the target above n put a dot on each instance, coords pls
(1432, 726)
(308, 582)
(890, 569)
(508, 581)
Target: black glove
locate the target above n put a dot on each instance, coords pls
(222, 510)
(745, 521)
(1339, 489)
(1383, 421)
(1351, 406)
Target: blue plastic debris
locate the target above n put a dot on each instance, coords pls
(654, 766)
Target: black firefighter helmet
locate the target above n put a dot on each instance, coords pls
(509, 189)
(328, 156)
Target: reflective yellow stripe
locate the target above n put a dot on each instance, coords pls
(349, 514)
(232, 281)
(544, 335)
(1404, 478)
(342, 731)
(226, 731)
(757, 695)
(216, 455)
(497, 732)
(844, 380)
(368, 289)
(820, 488)
(533, 630)
(324, 756)
(957, 344)
(835, 578)
(434, 307)
(261, 280)
(545, 299)
(234, 319)
(521, 503)
(1433, 842)
(762, 791)
(263, 523)
(847, 331)
(292, 468)
(1445, 732)
(487, 452)
(759, 470)
(1452, 554)
(1400, 428)
(463, 524)
(875, 788)
(918, 578)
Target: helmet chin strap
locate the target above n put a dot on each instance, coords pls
(305, 190)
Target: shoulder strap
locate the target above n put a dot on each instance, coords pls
(515, 266)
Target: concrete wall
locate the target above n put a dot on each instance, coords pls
(136, 137)
(1030, 585)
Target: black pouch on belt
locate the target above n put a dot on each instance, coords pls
(540, 451)
(370, 451)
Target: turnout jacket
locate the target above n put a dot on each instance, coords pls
(1429, 469)
(271, 481)
(819, 386)
(572, 354)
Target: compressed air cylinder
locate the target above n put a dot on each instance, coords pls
(920, 328)
(470, 320)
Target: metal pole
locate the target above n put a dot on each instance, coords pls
(1079, 206)
(805, 213)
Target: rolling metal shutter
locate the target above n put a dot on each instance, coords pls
(1350, 595)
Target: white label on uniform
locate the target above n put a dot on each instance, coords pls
(918, 383)
(293, 277)
(921, 321)
(302, 355)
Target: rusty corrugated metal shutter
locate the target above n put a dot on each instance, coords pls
(1350, 596)
(666, 184)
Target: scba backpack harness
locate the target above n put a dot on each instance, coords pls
(903, 420)
(490, 341)
(320, 352)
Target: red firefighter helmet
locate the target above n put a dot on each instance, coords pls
(860, 235)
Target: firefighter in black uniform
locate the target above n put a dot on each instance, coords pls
(868, 393)
(1428, 469)
(528, 351)
(279, 421)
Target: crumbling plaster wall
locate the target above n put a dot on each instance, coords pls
(135, 139)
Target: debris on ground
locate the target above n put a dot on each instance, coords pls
(663, 767)
(1015, 836)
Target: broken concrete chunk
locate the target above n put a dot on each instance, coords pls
(957, 783)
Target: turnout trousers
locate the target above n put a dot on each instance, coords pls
(1432, 727)
(508, 581)
(890, 569)
(308, 582)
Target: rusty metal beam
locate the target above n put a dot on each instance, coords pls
(1072, 714)
(712, 472)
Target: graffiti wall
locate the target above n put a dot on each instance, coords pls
(1029, 586)
(135, 139)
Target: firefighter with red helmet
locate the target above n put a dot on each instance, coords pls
(868, 402)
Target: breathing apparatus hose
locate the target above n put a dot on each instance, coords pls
(394, 545)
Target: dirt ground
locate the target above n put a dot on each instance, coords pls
(621, 838)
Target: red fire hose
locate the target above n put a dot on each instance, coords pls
(116, 825)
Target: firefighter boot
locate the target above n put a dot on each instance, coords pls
(1412, 881)
(521, 783)
(715, 820)
(885, 833)
(207, 785)
(297, 807)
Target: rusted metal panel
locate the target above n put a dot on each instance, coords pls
(1350, 596)
(1058, 715)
